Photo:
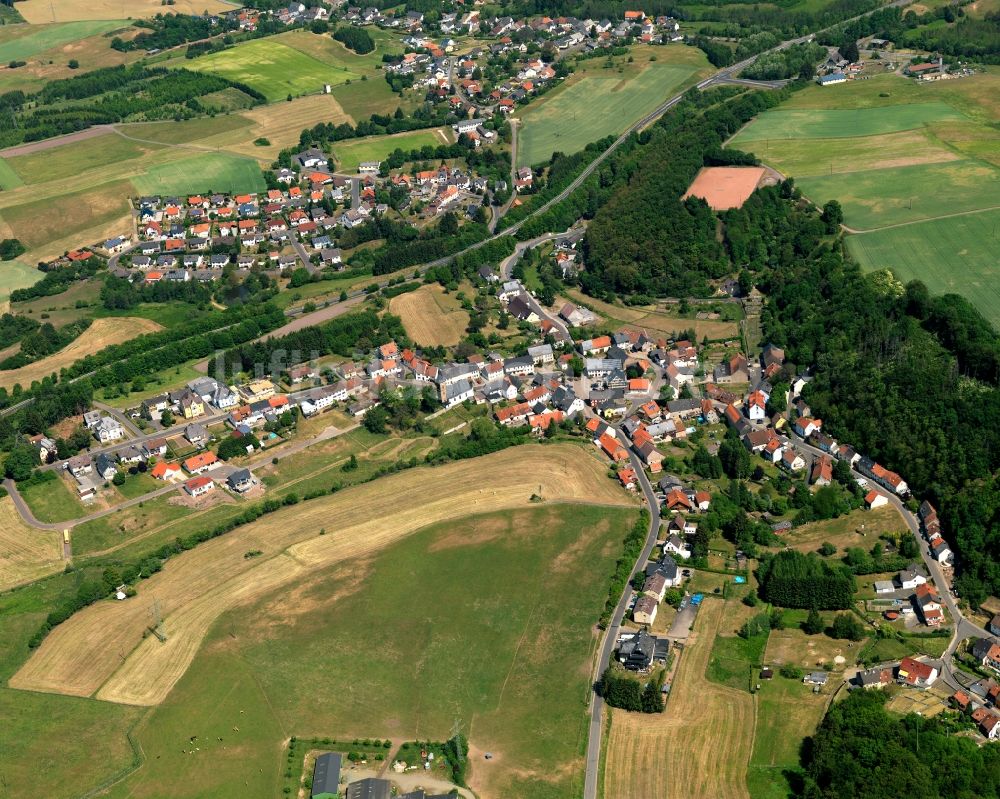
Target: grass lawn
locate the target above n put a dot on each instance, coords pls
(567, 119)
(274, 69)
(52, 501)
(9, 179)
(351, 152)
(35, 39)
(734, 659)
(787, 712)
(362, 98)
(885, 197)
(846, 531)
(187, 130)
(99, 151)
(520, 688)
(61, 308)
(202, 173)
(16, 275)
(157, 383)
(950, 255)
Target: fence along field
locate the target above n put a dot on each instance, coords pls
(84, 654)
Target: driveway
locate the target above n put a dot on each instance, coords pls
(681, 627)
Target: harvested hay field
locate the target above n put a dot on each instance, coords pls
(102, 333)
(705, 734)
(431, 317)
(26, 554)
(725, 187)
(40, 11)
(82, 656)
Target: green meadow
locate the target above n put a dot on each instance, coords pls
(397, 646)
(27, 41)
(16, 275)
(274, 69)
(955, 255)
(208, 172)
(352, 152)
(9, 179)
(880, 197)
(780, 123)
(599, 105)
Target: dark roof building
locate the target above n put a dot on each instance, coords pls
(636, 654)
(368, 788)
(326, 776)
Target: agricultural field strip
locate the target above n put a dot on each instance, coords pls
(706, 733)
(950, 254)
(39, 38)
(85, 653)
(780, 124)
(565, 120)
(26, 554)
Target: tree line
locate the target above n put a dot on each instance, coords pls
(354, 38)
(108, 95)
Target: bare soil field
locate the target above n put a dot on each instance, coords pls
(106, 647)
(725, 187)
(699, 747)
(39, 11)
(430, 316)
(100, 334)
(26, 554)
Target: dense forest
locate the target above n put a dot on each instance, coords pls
(345, 335)
(860, 750)
(909, 379)
(645, 240)
(792, 579)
